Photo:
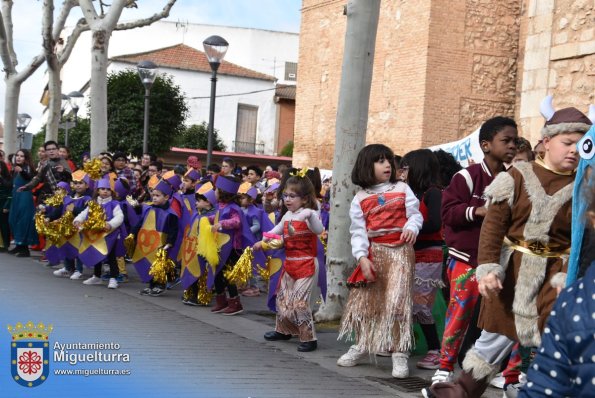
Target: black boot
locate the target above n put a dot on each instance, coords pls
(307, 346)
(23, 251)
(274, 336)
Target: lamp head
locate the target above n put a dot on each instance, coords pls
(23, 120)
(76, 100)
(215, 48)
(147, 71)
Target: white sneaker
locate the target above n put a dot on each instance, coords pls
(113, 283)
(400, 366)
(352, 357)
(442, 376)
(384, 354)
(76, 275)
(62, 273)
(512, 390)
(93, 281)
(498, 381)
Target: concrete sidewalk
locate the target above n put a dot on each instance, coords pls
(260, 368)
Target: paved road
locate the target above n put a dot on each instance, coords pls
(174, 350)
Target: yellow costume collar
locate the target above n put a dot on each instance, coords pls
(540, 162)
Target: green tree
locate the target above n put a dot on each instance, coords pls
(125, 110)
(287, 149)
(197, 136)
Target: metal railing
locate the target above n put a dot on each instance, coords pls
(248, 147)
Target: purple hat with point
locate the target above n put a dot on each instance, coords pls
(122, 187)
(163, 187)
(227, 185)
(272, 188)
(104, 182)
(173, 179)
(247, 189)
(64, 185)
(192, 174)
(207, 191)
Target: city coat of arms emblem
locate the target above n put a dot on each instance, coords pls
(29, 348)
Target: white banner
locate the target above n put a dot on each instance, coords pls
(464, 149)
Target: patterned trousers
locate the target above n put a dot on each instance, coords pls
(463, 298)
(294, 315)
(464, 293)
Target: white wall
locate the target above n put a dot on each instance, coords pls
(198, 84)
(260, 50)
(264, 51)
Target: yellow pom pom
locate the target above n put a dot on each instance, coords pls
(66, 225)
(204, 295)
(129, 245)
(93, 168)
(162, 268)
(56, 199)
(241, 273)
(96, 220)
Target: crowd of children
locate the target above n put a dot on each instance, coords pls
(494, 238)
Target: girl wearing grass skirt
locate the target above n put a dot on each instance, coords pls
(385, 221)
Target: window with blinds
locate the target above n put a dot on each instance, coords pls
(291, 71)
(246, 129)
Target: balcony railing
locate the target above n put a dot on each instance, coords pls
(248, 147)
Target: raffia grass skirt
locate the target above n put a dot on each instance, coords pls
(379, 315)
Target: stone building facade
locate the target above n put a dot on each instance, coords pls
(441, 67)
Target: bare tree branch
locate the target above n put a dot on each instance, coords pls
(7, 21)
(147, 21)
(61, 20)
(47, 22)
(4, 53)
(81, 26)
(89, 12)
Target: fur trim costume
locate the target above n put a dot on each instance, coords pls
(530, 209)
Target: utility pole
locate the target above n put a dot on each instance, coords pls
(350, 137)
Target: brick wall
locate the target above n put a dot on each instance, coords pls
(558, 39)
(442, 67)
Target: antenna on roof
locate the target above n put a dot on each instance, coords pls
(183, 25)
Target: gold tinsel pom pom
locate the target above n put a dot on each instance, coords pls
(265, 273)
(47, 229)
(93, 168)
(162, 267)
(204, 295)
(96, 220)
(66, 226)
(56, 199)
(129, 245)
(241, 273)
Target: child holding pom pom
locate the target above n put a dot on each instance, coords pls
(100, 222)
(157, 229)
(299, 228)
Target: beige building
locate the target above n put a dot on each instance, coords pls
(443, 66)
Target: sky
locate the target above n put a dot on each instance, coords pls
(278, 15)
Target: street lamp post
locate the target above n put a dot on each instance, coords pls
(147, 71)
(74, 99)
(215, 48)
(23, 120)
(65, 124)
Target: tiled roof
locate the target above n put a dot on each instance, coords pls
(181, 56)
(285, 92)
